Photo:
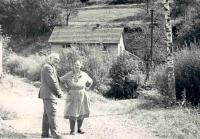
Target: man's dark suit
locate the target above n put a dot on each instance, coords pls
(49, 92)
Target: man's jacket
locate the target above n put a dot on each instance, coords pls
(49, 83)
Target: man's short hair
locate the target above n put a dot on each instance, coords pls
(52, 56)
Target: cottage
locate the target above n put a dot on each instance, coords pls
(102, 39)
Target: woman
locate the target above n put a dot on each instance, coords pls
(77, 103)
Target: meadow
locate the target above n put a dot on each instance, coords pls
(109, 14)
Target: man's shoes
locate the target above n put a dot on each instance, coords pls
(80, 131)
(59, 137)
(46, 136)
(72, 133)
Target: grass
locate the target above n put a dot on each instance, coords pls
(9, 132)
(7, 114)
(167, 122)
(105, 14)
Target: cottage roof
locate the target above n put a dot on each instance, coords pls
(68, 34)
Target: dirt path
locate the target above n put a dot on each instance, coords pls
(108, 118)
(104, 127)
(101, 125)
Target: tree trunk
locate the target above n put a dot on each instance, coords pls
(67, 20)
(1, 54)
(170, 57)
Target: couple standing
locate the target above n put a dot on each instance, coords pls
(77, 103)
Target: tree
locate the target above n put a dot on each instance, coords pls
(1, 55)
(180, 7)
(84, 1)
(170, 61)
(28, 18)
(69, 7)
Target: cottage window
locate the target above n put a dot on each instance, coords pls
(66, 45)
(104, 48)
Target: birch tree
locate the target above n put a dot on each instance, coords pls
(169, 45)
(1, 54)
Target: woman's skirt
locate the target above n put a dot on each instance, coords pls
(77, 105)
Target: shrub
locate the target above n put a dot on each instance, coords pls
(121, 84)
(8, 132)
(159, 79)
(25, 66)
(7, 114)
(95, 63)
(187, 75)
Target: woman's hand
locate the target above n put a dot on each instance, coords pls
(87, 88)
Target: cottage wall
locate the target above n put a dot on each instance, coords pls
(121, 46)
(111, 49)
(58, 48)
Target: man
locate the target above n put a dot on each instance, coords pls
(49, 92)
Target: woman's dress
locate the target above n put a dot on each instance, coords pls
(77, 103)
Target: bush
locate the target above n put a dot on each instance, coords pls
(6, 114)
(159, 79)
(188, 25)
(187, 75)
(95, 63)
(25, 66)
(8, 132)
(121, 86)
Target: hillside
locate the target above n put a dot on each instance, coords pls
(109, 14)
(129, 15)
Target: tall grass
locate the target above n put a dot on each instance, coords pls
(96, 63)
(7, 114)
(175, 122)
(187, 75)
(25, 66)
(7, 132)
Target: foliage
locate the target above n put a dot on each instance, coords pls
(175, 122)
(138, 37)
(7, 131)
(121, 68)
(19, 18)
(69, 8)
(188, 74)
(159, 79)
(180, 7)
(188, 32)
(25, 66)
(95, 63)
(188, 27)
(7, 114)
(187, 71)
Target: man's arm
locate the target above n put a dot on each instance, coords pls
(52, 81)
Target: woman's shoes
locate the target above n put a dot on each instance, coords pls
(72, 133)
(80, 131)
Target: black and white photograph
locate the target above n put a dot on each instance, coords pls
(100, 69)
